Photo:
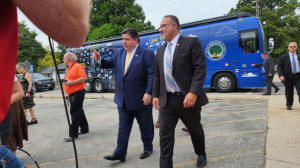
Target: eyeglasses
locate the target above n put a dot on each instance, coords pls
(293, 46)
(164, 25)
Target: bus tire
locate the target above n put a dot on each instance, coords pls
(88, 87)
(224, 82)
(98, 86)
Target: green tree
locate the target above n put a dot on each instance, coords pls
(47, 60)
(29, 48)
(109, 17)
(60, 53)
(280, 20)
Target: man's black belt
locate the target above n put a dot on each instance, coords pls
(174, 94)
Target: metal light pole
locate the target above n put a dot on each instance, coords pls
(257, 8)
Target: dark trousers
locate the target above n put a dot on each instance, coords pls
(145, 121)
(77, 114)
(168, 120)
(5, 128)
(289, 84)
(270, 84)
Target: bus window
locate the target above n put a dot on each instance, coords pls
(249, 41)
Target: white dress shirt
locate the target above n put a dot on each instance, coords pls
(296, 59)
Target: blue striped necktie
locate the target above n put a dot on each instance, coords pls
(169, 78)
(294, 68)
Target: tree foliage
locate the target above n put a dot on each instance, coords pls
(60, 53)
(47, 60)
(280, 19)
(109, 17)
(29, 48)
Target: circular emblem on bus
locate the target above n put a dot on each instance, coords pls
(215, 50)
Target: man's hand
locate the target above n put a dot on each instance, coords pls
(3, 162)
(253, 65)
(281, 78)
(69, 83)
(189, 100)
(147, 99)
(96, 55)
(270, 75)
(155, 103)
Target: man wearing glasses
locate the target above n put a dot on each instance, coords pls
(289, 73)
(178, 93)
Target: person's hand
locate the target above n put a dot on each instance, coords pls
(27, 94)
(281, 78)
(270, 74)
(189, 100)
(147, 99)
(3, 162)
(67, 97)
(96, 55)
(69, 83)
(253, 65)
(155, 103)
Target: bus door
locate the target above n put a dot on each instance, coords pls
(249, 48)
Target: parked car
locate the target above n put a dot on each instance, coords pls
(41, 82)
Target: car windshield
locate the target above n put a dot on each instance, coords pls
(37, 76)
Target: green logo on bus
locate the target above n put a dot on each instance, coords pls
(215, 50)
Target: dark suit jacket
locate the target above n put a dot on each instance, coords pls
(284, 66)
(268, 65)
(189, 70)
(131, 88)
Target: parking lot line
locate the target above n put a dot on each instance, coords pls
(183, 140)
(240, 105)
(233, 112)
(233, 121)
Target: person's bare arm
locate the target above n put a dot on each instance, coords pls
(66, 21)
(77, 81)
(17, 93)
(29, 79)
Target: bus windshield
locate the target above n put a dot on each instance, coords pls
(263, 37)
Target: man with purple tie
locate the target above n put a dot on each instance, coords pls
(289, 73)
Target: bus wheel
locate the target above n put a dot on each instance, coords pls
(88, 87)
(98, 86)
(224, 82)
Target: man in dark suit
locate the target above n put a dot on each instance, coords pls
(268, 67)
(178, 79)
(133, 69)
(289, 73)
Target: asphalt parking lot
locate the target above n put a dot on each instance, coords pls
(235, 136)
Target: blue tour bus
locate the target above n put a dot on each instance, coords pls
(231, 43)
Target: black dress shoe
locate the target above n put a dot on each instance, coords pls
(276, 90)
(114, 157)
(289, 107)
(145, 154)
(201, 161)
(69, 139)
(266, 94)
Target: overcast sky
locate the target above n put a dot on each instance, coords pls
(185, 10)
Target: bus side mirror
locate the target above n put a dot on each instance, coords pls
(271, 43)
